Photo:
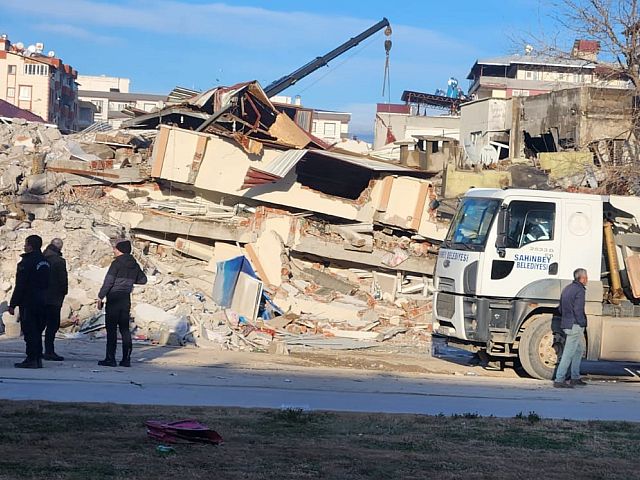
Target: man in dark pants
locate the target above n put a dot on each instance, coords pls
(573, 323)
(58, 289)
(123, 273)
(32, 279)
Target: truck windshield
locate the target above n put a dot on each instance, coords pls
(470, 226)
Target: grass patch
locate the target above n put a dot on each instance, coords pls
(80, 441)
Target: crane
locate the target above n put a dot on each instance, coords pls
(285, 82)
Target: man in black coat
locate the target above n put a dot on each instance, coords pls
(54, 297)
(123, 273)
(32, 280)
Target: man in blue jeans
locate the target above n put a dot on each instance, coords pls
(573, 323)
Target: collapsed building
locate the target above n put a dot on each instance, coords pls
(337, 248)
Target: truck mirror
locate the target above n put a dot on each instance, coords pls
(503, 226)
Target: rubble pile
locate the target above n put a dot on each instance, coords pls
(253, 238)
(88, 252)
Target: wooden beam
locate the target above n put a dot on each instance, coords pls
(159, 150)
(423, 194)
(387, 185)
(90, 173)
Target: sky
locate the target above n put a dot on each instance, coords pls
(199, 44)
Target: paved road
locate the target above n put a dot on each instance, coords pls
(327, 389)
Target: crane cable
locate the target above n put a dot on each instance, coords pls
(386, 82)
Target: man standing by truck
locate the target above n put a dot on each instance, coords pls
(573, 323)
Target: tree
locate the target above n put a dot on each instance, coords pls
(615, 24)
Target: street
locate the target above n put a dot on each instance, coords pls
(164, 376)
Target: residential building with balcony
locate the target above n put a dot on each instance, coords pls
(116, 107)
(532, 74)
(42, 84)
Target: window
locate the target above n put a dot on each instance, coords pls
(471, 224)
(11, 92)
(12, 69)
(36, 69)
(25, 92)
(529, 222)
(98, 104)
(330, 129)
(148, 107)
(314, 127)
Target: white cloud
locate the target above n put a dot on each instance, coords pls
(74, 32)
(249, 27)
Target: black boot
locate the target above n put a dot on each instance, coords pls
(27, 363)
(126, 357)
(53, 357)
(107, 363)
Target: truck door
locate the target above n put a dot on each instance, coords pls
(526, 251)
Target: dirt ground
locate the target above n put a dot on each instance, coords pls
(81, 441)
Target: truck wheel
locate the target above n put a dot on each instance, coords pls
(540, 349)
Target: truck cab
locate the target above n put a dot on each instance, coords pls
(505, 260)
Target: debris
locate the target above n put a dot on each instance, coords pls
(165, 450)
(189, 431)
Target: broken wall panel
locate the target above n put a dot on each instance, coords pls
(403, 202)
(224, 167)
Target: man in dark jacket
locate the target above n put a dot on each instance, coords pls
(32, 279)
(573, 323)
(54, 297)
(123, 273)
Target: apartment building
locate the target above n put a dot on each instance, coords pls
(112, 101)
(40, 83)
(330, 126)
(533, 73)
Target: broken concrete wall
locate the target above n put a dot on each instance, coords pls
(215, 164)
(405, 126)
(457, 182)
(404, 202)
(482, 122)
(575, 117)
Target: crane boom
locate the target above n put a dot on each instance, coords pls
(288, 80)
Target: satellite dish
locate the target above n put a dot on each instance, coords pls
(39, 47)
(31, 49)
(528, 49)
(20, 46)
(51, 54)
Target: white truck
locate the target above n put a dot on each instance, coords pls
(506, 258)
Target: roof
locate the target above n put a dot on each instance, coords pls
(8, 110)
(121, 97)
(393, 108)
(155, 117)
(285, 162)
(432, 100)
(543, 60)
(501, 194)
(329, 115)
